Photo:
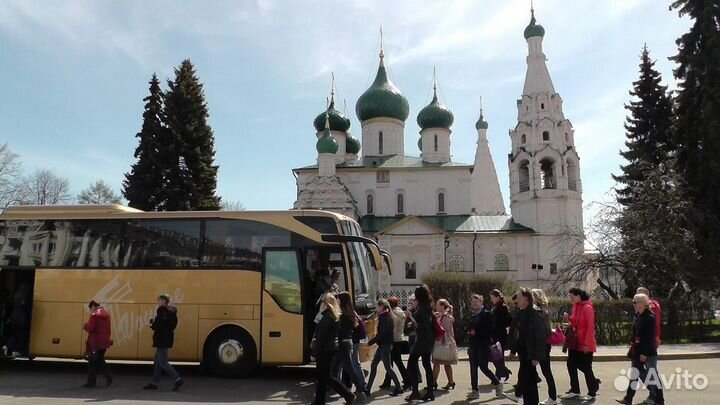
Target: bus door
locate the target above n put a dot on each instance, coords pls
(16, 306)
(282, 307)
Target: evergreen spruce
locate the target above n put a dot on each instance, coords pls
(192, 176)
(697, 129)
(143, 186)
(648, 129)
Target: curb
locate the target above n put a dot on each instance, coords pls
(622, 357)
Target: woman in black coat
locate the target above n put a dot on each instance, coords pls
(424, 344)
(501, 320)
(324, 347)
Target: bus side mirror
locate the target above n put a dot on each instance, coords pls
(388, 260)
(375, 257)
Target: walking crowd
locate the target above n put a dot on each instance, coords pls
(525, 331)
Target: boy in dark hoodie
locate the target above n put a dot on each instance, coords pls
(163, 327)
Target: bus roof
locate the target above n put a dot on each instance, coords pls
(109, 211)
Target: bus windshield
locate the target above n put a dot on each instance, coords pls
(364, 278)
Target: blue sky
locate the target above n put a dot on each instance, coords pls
(73, 75)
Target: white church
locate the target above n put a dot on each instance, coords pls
(434, 214)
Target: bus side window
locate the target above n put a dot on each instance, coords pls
(282, 279)
(162, 243)
(238, 243)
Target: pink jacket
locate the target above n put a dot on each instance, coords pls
(582, 320)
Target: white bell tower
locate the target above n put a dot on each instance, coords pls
(545, 186)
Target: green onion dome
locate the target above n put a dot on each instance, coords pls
(338, 120)
(533, 29)
(420, 144)
(326, 143)
(382, 99)
(435, 115)
(352, 145)
(481, 123)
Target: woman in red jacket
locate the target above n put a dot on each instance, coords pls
(98, 329)
(581, 344)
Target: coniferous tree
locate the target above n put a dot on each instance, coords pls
(697, 129)
(648, 129)
(143, 186)
(192, 175)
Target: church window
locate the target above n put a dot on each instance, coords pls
(382, 176)
(441, 202)
(542, 106)
(523, 139)
(380, 143)
(524, 175)
(435, 140)
(370, 204)
(546, 136)
(502, 263)
(457, 263)
(567, 137)
(572, 170)
(547, 178)
(400, 204)
(410, 270)
(553, 268)
(527, 108)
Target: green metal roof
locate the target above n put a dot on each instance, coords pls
(435, 115)
(392, 162)
(533, 29)
(382, 99)
(338, 120)
(452, 223)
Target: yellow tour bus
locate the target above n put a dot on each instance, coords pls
(245, 283)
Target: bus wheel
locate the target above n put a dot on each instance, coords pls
(230, 352)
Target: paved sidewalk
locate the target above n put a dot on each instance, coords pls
(619, 353)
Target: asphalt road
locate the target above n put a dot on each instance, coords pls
(44, 383)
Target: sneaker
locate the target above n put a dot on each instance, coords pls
(150, 386)
(649, 401)
(570, 395)
(474, 394)
(549, 401)
(178, 383)
(360, 396)
(587, 398)
(499, 391)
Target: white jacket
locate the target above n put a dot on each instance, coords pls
(399, 324)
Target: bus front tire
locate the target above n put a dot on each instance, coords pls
(230, 352)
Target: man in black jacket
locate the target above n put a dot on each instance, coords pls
(532, 334)
(480, 330)
(643, 353)
(163, 327)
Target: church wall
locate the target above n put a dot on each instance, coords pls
(420, 190)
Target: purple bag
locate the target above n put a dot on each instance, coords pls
(496, 352)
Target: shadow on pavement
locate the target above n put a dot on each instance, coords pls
(29, 379)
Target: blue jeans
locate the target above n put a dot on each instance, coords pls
(382, 354)
(344, 362)
(357, 367)
(654, 386)
(161, 363)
